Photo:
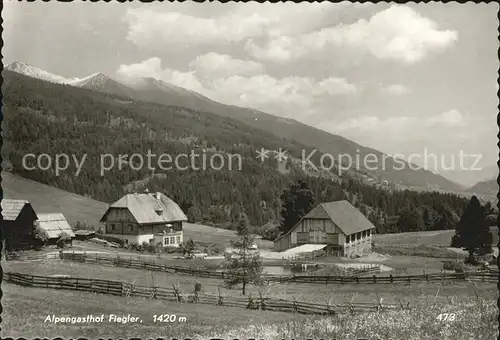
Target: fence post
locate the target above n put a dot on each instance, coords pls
(374, 278)
(391, 278)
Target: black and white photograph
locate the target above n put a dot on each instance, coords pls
(207, 170)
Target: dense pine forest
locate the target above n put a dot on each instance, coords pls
(45, 118)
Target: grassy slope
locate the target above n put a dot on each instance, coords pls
(475, 319)
(21, 304)
(46, 199)
(424, 243)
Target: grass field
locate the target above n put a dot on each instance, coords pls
(319, 293)
(475, 318)
(21, 304)
(438, 238)
(435, 238)
(473, 305)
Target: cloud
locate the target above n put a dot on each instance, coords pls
(148, 28)
(371, 123)
(222, 65)
(449, 118)
(404, 125)
(151, 67)
(284, 96)
(397, 33)
(395, 89)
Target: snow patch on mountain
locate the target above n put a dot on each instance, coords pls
(35, 72)
(94, 81)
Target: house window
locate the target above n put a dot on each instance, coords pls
(166, 241)
(130, 228)
(368, 232)
(126, 241)
(111, 227)
(172, 240)
(178, 239)
(347, 239)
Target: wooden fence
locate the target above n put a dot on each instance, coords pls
(16, 257)
(310, 279)
(127, 290)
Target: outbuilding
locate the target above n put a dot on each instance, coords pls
(342, 228)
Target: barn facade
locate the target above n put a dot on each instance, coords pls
(145, 217)
(18, 224)
(339, 226)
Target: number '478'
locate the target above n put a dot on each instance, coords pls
(445, 317)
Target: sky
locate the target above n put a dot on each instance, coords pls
(403, 79)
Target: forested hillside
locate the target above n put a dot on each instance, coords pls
(41, 117)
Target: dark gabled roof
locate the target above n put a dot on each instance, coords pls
(349, 219)
(12, 208)
(149, 208)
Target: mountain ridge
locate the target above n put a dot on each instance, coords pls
(487, 187)
(163, 93)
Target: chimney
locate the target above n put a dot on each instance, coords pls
(159, 207)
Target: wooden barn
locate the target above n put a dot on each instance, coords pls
(18, 224)
(342, 228)
(54, 224)
(145, 217)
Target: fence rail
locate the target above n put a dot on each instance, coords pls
(317, 279)
(127, 290)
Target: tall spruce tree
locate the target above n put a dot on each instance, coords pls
(297, 201)
(472, 233)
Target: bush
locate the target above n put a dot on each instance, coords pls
(41, 238)
(187, 248)
(458, 267)
(197, 287)
(151, 248)
(63, 240)
(217, 249)
(171, 249)
(136, 246)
